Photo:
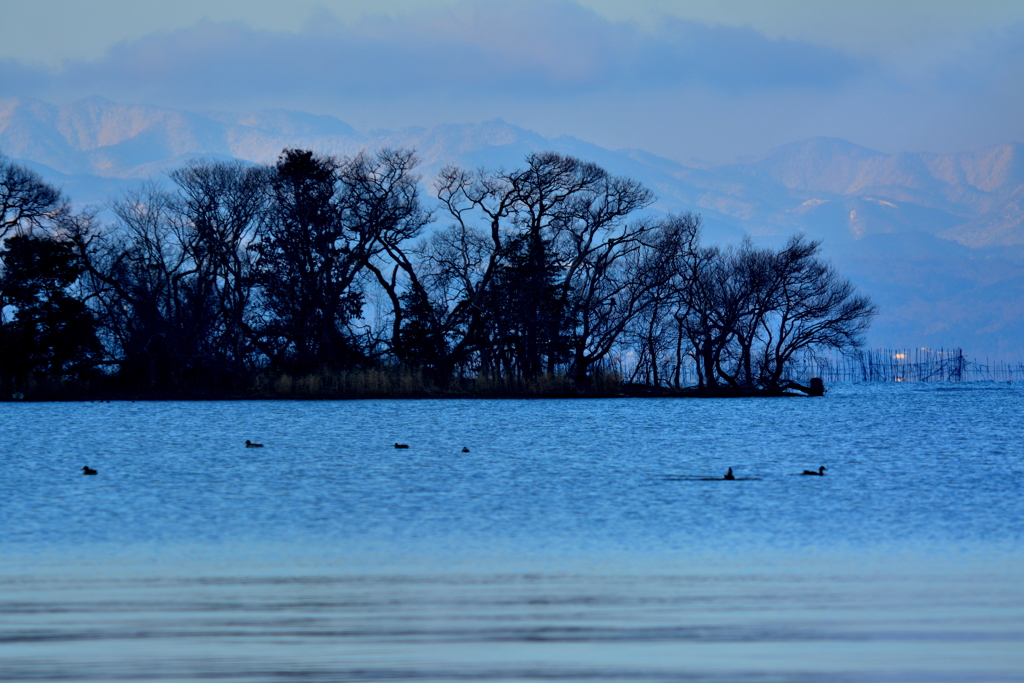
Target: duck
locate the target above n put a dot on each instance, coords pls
(88, 470)
(465, 450)
(729, 475)
(819, 473)
(250, 444)
(401, 445)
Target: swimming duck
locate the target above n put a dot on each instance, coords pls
(88, 470)
(819, 473)
(465, 450)
(401, 445)
(250, 444)
(729, 475)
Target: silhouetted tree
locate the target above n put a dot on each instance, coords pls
(220, 205)
(749, 311)
(655, 333)
(381, 204)
(456, 265)
(419, 341)
(755, 282)
(141, 281)
(306, 268)
(524, 324)
(314, 264)
(26, 201)
(583, 210)
(813, 308)
(578, 212)
(327, 223)
(170, 279)
(45, 331)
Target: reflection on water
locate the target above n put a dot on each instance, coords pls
(825, 620)
(577, 540)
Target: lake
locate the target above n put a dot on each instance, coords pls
(577, 540)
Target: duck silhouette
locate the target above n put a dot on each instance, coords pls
(465, 450)
(88, 470)
(401, 445)
(819, 473)
(250, 444)
(729, 475)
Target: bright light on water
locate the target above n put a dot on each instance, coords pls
(576, 540)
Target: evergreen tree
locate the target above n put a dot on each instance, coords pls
(526, 318)
(420, 341)
(46, 332)
(307, 268)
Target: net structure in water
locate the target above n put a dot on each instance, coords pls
(906, 365)
(860, 365)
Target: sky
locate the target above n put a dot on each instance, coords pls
(706, 79)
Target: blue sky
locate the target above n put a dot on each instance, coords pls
(712, 80)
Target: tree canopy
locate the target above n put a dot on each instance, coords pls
(320, 264)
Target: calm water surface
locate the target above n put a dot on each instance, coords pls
(576, 541)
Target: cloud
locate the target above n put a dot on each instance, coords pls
(992, 60)
(741, 59)
(675, 87)
(535, 48)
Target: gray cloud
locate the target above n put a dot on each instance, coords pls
(532, 49)
(678, 88)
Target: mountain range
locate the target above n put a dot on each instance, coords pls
(936, 239)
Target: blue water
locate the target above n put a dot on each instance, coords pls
(576, 540)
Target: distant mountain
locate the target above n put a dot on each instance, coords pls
(937, 239)
(823, 186)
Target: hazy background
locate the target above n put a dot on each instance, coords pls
(713, 79)
(890, 130)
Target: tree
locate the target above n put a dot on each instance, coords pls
(380, 202)
(708, 312)
(655, 333)
(813, 308)
(306, 267)
(584, 209)
(458, 264)
(170, 280)
(45, 332)
(141, 279)
(572, 212)
(524, 324)
(313, 264)
(26, 201)
(221, 205)
(749, 312)
(419, 341)
(38, 318)
(328, 222)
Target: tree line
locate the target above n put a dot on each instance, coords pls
(317, 264)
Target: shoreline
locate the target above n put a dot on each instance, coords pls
(629, 391)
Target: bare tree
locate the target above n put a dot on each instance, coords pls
(329, 221)
(170, 280)
(380, 200)
(459, 263)
(598, 248)
(26, 201)
(749, 311)
(572, 217)
(145, 288)
(813, 308)
(316, 263)
(655, 335)
(219, 205)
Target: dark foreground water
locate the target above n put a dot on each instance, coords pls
(576, 541)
